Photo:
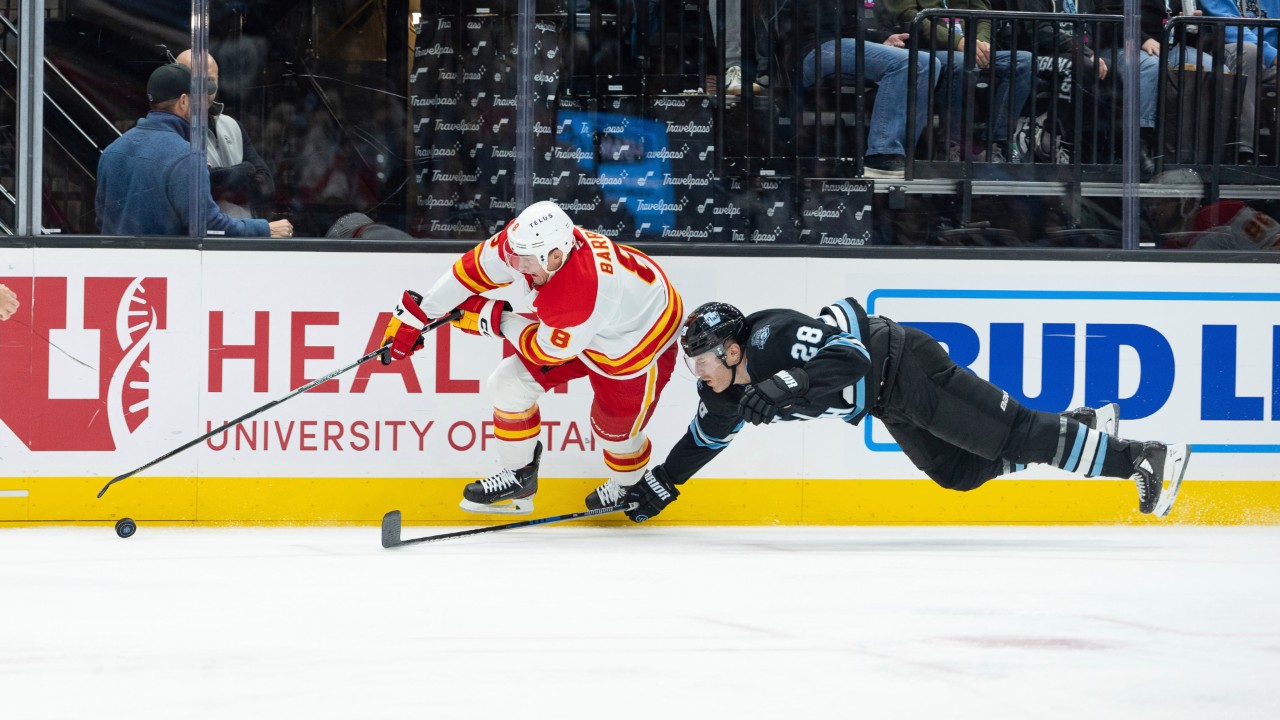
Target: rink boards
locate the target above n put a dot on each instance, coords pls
(118, 356)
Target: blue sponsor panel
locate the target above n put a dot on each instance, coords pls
(1221, 378)
(618, 153)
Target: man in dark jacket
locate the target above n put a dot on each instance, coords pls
(1048, 39)
(1055, 46)
(960, 430)
(238, 176)
(145, 176)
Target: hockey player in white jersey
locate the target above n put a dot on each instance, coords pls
(960, 430)
(602, 310)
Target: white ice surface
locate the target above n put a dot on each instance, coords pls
(641, 622)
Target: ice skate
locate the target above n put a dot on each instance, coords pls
(1157, 464)
(1105, 419)
(607, 495)
(506, 492)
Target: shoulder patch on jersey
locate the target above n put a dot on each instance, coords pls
(760, 337)
(569, 297)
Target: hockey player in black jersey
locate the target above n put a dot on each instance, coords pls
(960, 430)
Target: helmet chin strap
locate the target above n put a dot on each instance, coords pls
(733, 369)
(564, 259)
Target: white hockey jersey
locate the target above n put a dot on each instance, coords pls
(611, 306)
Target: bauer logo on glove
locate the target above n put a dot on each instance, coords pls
(403, 336)
(650, 495)
(776, 393)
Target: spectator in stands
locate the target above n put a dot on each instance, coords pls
(1243, 58)
(145, 175)
(732, 45)
(239, 178)
(1048, 38)
(1155, 13)
(1054, 45)
(8, 303)
(1012, 70)
(886, 61)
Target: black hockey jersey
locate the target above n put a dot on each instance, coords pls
(843, 368)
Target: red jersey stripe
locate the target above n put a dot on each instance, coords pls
(470, 272)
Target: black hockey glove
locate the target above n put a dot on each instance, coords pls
(764, 400)
(651, 494)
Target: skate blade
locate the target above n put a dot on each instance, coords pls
(1175, 467)
(519, 506)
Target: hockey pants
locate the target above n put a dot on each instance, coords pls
(954, 426)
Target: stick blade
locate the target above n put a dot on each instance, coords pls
(114, 480)
(391, 529)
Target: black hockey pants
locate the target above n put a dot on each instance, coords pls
(953, 425)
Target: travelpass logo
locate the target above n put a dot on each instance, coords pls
(83, 355)
(1204, 366)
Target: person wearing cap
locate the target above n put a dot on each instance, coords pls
(238, 176)
(145, 175)
(601, 310)
(781, 365)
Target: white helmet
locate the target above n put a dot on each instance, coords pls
(541, 228)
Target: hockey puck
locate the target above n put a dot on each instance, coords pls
(126, 527)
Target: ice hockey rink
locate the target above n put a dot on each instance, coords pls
(646, 622)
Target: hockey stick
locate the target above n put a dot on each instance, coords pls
(455, 314)
(391, 526)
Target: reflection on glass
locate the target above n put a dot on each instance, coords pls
(8, 119)
(97, 60)
(396, 120)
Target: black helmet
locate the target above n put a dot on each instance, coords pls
(709, 325)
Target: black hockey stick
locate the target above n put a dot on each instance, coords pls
(391, 526)
(455, 314)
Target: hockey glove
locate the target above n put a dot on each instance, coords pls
(651, 494)
(481, 316)
(764, 400)
(403, 336)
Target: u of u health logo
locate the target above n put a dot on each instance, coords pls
(53, 402)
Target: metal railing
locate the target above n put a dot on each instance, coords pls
(1203, 104)
(632, 125)
(74, 134)
(1065, 130)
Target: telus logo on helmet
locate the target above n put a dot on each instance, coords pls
(93, 389)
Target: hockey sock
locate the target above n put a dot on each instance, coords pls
(1080, 450)
(627, 459)
(1009, 466)
(517, 433)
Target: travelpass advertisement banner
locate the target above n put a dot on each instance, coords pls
(118, 356)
